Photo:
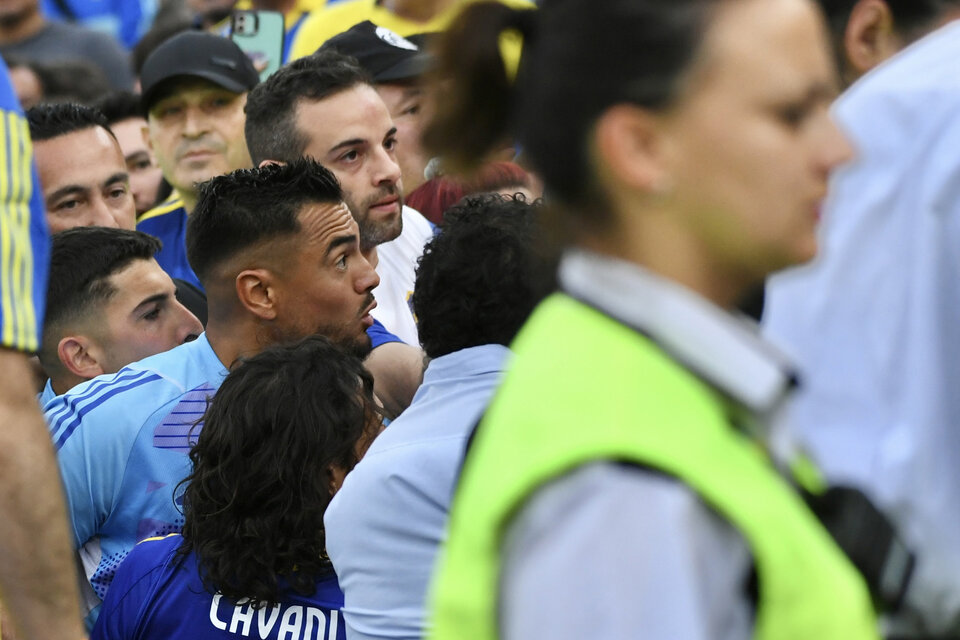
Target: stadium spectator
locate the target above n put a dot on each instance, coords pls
(625, 481)
(405, 17)
(82, 171)
(27, 34)
(476, 284)
(397, 66)
(124, 116)
(37, 576)
(278, 254)
(74, 81)
(124, 20)
(194, 88)
(283, 429)
(324, 107)
(872, 323)
(108, 304)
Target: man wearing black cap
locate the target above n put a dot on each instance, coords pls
(194, 88)
(396, 66)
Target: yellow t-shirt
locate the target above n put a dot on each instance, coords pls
(290, 17)
(323, 24)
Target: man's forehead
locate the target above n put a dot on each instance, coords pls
(355, 113)
(86, 146)
(180, 86)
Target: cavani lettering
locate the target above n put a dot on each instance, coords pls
(291, 622)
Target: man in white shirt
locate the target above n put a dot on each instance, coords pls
(873, 323)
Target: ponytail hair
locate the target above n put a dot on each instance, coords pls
(476, 106)
(580, 57)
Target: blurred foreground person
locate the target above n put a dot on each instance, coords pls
(873, 325)
(278, 438)
(625, 481)
(37, 576)
(476, 284)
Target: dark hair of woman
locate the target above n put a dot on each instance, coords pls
(632, 51)
(283, 422)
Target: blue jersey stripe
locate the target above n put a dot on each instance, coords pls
(69, 427)
(70, 401)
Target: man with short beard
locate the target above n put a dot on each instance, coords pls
(325, 106)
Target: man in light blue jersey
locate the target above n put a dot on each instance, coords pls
(278, 253)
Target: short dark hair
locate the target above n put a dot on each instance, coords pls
(248, 206)
(81, 261)
(271, 129)
(260, 484)
(118, 106)
(54, 120)
(478, 279)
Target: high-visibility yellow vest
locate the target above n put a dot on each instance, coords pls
(583, 388)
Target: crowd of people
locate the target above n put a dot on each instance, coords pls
(442, 329)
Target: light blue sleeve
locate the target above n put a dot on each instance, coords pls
(93, 431)
(578, 564)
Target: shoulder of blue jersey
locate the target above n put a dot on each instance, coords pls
(130, 396)
(171, 205)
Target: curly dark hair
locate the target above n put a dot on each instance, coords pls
(261, 479)
(480, 278)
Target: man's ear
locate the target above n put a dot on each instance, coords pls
(257, 293)
(268, 162)
(870, 36)
(145, 133)
(74, 353)
(630, 146)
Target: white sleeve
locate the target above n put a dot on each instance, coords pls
(614, 551)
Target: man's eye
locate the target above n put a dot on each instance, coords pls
(68, 204)
(342, 262)
(118, 192)
(141, 165)
(411, 110)
(390, 144)
(152, 315)
(168, 112)
(350, 156)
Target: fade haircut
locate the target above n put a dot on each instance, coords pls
(261, 482)
(271, 127)
(250, 206)
(81, 262)
(118, 106)
(480, 278)
(54, 120)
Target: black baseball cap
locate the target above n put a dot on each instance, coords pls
(385, 55)
(201, 55)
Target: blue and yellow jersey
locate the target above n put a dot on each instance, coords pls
(168, 221)
(24, 241)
